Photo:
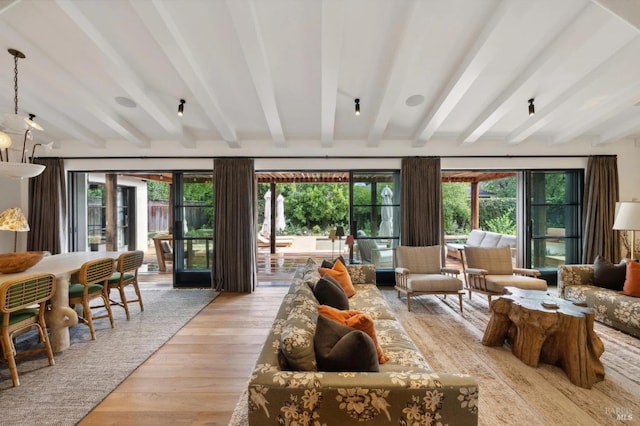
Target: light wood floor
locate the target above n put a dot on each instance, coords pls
(198, 375)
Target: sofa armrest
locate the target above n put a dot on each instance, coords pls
(450, 271)
(568, 275)
(382, 257)
(403, 271)
(330, 397)
(527, 272)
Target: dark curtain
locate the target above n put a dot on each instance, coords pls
(47, 208)
(235, 225)
(421, 202)
(601, 193)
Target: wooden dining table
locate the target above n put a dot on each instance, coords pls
(63, 266)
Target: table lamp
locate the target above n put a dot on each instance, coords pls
(332, 237)
(12, 219)
(339, 234)
(628, 219)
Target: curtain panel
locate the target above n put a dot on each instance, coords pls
(234, 266)
(48, 208)
(421, 202)
(601, 192)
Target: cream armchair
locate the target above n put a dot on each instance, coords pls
(489, 271)
(419, 271)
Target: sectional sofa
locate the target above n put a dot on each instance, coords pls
(404, 391)
(480, 238)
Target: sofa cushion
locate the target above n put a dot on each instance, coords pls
(491, 239)
(357, 320)
(433, 282)
(310, 273)
(329, 263)
(632, 281)
(608, 275)
(329, 292)
(495, 260)
(342, 348)
(296, 337)
(507, 241)
(419, 260)
(497, 283)
(341, 274)
(475, 237)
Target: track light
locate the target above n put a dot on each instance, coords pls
(532, 109)
(357, 106)
(181, 107)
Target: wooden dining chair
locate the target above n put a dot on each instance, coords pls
(126, 274)
(18, 300)
(91, 283)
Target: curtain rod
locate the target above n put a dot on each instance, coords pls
(328, 157)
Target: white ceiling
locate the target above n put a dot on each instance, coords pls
(286, 72)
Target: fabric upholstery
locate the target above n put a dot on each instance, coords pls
(355, 319)
(341, 275)
(475, 237)
(491, 239)
(342, 348)
(497, 283)
(419, 260)
(329, 292)
(433, 282)
(497, 261)
(608, 275)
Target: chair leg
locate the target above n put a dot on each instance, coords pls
(408, 302)
(9, 356)
(489, 297)
(44, 338)
(107, 305)
(123, 300)
(88, 318)
(137, 290)
(460, 300)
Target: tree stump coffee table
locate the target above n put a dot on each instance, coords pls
(560, 334)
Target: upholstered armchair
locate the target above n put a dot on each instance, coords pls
(490, 270)
(371, 253)
(419, 271)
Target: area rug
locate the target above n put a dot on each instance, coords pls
(89, 370)
(510, 391)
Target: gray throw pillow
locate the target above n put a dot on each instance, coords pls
(342, 348)
(329, 292)
(609, 275)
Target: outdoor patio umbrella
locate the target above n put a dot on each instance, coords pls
(386, 227)
(266, 224)
(280, 222)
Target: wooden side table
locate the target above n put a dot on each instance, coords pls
(561, 336)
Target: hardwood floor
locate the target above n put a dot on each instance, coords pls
(199, 374)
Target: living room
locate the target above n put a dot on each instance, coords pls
(320, 86)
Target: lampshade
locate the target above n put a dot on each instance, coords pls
(349, 241)
(627, 216)
(13, 219)
(339, 231)
(20, 170)
(5, 140)
(332, 235)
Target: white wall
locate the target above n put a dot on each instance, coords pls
(344, 156)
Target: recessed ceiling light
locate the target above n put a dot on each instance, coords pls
(125, 102)
(414, 100)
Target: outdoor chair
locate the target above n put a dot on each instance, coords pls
(490, 270)
(18, 300)
(92, 282)
(126, 274)
(419, 271)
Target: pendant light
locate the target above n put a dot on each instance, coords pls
(24, 168)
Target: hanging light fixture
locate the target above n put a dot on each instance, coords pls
(22, 169)
(357, 101)
(181, 107)
(532, 109)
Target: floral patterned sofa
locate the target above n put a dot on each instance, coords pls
(404, 391)
(610, 307)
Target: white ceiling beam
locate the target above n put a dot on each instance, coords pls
(613, 134)
(402, 61)
(552, 51)
(128, 79)
(483, 50)
(547, 112)
(70, 84)
(247, 28)
(161, 25)
(8, 6)
(332, 33)
(627, 10)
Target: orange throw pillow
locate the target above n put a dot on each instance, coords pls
(341, 274)
(632, 281)
(357, 320)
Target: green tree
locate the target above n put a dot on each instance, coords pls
(157, 191)
(456, 208)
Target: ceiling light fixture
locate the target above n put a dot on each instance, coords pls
(532, 109)
(23, 168)
(181, 107)
(357, 106)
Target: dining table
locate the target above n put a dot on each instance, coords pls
(62, 266)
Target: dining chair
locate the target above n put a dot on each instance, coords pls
(18, 300)
(126, 274)
(91, 283)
